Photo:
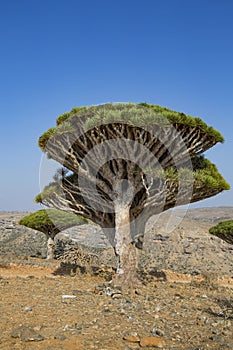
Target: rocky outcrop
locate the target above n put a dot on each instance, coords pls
(19, 240)
(178, 242)
(188, 247)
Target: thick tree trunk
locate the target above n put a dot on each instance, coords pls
(124, 248)
(137, 235)
(50, 248)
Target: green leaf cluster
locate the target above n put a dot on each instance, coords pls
(174, 175)
(204, 174)
(45, 137)
(47, 191)
(51, 221)
(132, 114)
(137, 114)
(63, 117)
(185, 119)
(209, 176)
(223, 230)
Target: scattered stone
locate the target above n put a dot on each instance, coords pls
(158, 332)
(74, 328)
(66, 296)
(68, 327)
(202, 318)
(204, 296)
(28, 308)
(26, 334)
(108, 289)
(106, 309)
(76, 331)
(38, 328)
(59, 336)
(116, 296)
(152, 341)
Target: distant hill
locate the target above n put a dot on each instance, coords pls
(211, 215)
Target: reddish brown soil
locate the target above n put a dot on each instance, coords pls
(182, 308)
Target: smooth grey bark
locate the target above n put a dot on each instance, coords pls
(50, 248)
(124, 248)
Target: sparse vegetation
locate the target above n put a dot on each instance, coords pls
(223, 230)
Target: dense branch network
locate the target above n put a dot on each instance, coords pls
(126, 162)
(139, 154)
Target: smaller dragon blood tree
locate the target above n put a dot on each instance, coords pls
(51, 222)
(223, 230)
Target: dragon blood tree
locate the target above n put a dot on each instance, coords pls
(124, 163)
(51, 222)
(223, 230)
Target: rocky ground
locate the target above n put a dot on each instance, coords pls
(44, 307)
(176, 240)
(185, 302)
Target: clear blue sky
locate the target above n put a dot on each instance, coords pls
(57, 54)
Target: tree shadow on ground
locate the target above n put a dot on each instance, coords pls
(106, 272)
(69, 269)
(159, 275)
(152, 274)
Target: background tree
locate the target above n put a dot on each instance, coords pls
(51, 222)
(127, 162)
(223, 230)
